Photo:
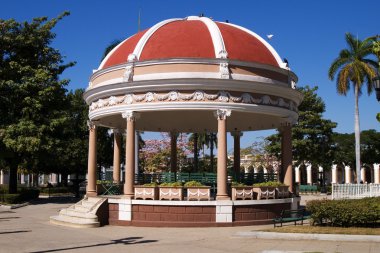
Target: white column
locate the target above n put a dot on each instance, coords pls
(130, 117)
(334, 174)
(1, 177)
(221, 193)
(136, 152)
(6, 178)
(309, 174)
(297, 173)
(53, 179)
(347, 177)
(22, 178)
(362, 172)
(376, 172)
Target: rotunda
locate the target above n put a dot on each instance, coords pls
(192, 74)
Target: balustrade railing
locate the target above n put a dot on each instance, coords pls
(355, 191)
(207, 177)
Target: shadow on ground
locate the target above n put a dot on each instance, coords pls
(125, 241)
(15, 232)
(54, 200)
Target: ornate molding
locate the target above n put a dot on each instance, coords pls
(197, 96)
(91, 125)
(130, 115)
(128, 74)
(129, 69)
(222, 114)
(224, 70)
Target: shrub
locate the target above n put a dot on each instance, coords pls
(174, 184)
(193, 184)
(345, 213)
(23, 196)
(154, 184)
(237, 184)
(270, 183)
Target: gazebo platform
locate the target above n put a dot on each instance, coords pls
(218, 213)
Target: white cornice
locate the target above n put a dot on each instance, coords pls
(192, 84)
(210, 106)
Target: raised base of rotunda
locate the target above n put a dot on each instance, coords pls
(223, 213)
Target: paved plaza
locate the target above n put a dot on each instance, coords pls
(27, 229)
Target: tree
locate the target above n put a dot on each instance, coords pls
(353, 67)
(32, 97)
(370, 147)
(261, 156)
(311, 136)
(156, 153)
(344, 149)
(213, 143)
(194, 140)
(72, 156)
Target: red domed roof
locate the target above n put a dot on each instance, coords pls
(194, 37)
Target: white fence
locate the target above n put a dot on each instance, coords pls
(355, 191)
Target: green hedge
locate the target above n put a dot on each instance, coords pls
(23, 195)
(345, 213)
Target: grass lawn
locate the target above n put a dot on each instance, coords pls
(325, 230)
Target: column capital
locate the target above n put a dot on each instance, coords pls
(130, 115)
(222, 114)
(91, 125)
(117, 131)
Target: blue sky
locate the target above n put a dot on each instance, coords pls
(309, 34)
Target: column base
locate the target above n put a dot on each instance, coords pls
(92, 194)
(223, 197)
(129, 196)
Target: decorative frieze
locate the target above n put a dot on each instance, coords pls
(197, 96)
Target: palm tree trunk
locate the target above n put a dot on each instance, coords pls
(357, 134)
(212, 153)
(195, 152)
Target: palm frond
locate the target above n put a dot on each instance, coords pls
(343, 81)
(336, 65)
(352, 42)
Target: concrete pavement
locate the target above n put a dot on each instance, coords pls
(27, 229)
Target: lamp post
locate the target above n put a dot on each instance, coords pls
(376, 84)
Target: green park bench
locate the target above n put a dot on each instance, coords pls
(196, 177)
(308, 189)
(295, 216)
(183, 177)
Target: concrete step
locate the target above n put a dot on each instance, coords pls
(87, 204)
(89, 217)
(80, 215)
(92, 199)
(71, 222)
(81, 208)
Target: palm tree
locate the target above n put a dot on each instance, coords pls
(194, 138)
(213, 141)
(352, 67)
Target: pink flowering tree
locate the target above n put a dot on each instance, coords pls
(155, 155)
